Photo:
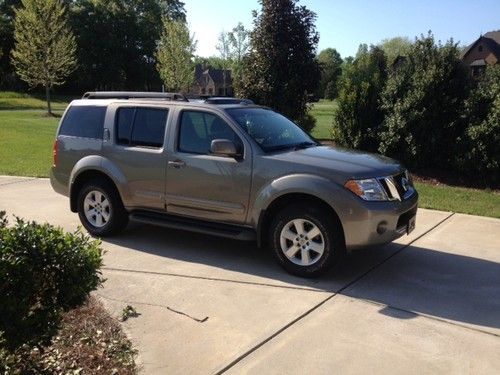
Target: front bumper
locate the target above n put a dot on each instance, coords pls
(376, 223)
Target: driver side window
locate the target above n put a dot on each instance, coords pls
(199, 129)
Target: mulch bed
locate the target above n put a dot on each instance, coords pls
(90, 341)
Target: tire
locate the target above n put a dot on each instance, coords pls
(309, 235)
(100, 208)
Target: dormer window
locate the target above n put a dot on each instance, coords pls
(480, 48)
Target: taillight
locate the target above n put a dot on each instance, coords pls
(55, 150)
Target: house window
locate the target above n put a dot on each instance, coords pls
(210, 91)
(480, 48)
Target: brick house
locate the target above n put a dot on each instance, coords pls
(484, 51)
(210, 81)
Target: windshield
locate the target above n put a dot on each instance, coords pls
(271, 130)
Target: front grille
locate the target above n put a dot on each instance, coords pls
(396, 187)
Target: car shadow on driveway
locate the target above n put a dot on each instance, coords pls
(418, 280)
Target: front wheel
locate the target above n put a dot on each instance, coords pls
(100, 209)
(306, 240)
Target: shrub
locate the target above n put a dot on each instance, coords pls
(423, 102)
(358, 115)
(479, 150)
(43, 271)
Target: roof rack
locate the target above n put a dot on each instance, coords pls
(134, 95)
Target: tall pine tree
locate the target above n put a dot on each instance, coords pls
(45, 48)
(281, 70)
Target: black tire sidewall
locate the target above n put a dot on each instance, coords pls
(328, 228)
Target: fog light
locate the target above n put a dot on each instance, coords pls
(382, 227)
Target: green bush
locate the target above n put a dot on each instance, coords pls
(43, 271)
(358, 115)
(479, 148)
(423, 104)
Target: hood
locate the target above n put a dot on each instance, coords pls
(349, 163)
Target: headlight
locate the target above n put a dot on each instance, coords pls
(369, 189)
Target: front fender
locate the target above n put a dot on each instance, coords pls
(316, 186)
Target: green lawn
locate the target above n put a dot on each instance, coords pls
(457, 199)
(15, 101)
(26, 139)
(323, 112)
(27, 135)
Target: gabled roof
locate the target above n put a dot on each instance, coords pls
(491, 39)
(495, 35)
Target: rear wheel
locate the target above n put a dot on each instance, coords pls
(100, 209)
(306, 240)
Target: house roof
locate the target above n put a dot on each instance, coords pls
(491, 39)
(216, 74)
(479, 62)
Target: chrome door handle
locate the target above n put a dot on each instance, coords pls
(177, 163)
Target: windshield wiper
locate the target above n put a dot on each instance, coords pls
(296, 146)
(303, 145)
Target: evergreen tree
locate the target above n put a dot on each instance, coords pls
(45, 48)
(281, 70)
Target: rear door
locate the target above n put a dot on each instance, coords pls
(136, 148)
(203, 185)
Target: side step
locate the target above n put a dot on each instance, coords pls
(193, 225)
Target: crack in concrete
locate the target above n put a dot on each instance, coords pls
(202, 320)
(300, 317)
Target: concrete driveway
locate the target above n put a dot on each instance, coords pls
(429, 302)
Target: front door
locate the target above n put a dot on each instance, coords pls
(202, 185)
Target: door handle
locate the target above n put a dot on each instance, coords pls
(177, 163)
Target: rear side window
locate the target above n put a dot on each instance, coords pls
(84, 122)
(141, 126)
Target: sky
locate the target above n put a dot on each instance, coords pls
(344, 25)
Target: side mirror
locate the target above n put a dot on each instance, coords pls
(224, 147)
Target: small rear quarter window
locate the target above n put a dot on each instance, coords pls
(84, 122)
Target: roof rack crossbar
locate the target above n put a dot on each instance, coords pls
(134, 95)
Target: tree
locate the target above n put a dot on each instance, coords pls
(239, 43)
(281, 70)
(331, 69)
(45, 48)
(117, 42)
(394, 47)
(223, 46)
(7, 13)
(358, 116)
(423, 102)
(175, 55)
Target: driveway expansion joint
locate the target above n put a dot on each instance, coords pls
(306, 289)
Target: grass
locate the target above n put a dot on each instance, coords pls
(17, 101)
(26, 138)
(323, 112)
(458, 199)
